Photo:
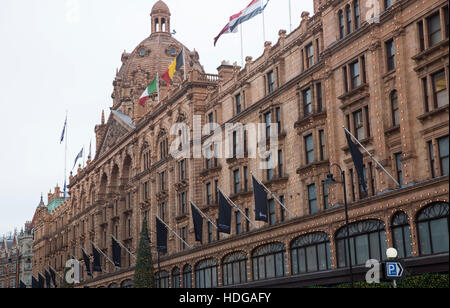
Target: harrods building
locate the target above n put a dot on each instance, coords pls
(384, 77)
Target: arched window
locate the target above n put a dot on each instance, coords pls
(394, 109)
(341, 24)
(127, 284)
(176, 278)
(311, 253)
(432, 228)
(269, 261)
(401, 235)
(367, 241)
(113, 286)
(162, 280)
(187, 277)
(234, 268)
(206, 274)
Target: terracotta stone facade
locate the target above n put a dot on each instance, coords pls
(383, 76)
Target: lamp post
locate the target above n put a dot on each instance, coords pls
(331, 181)
(392, 254)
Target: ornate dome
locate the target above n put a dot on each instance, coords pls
(151, 57)
(160, 7)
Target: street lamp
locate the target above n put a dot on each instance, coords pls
(392, 254)
(331, 181)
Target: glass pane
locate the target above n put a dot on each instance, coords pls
(408, 246)
(302, 260)
(262, 270)
(236, 273)
(270, 263)
(329, 255)
(323, 262)
(374, 247)
(439, 235)
(243, 271)
(398, 241)
(362, 249)
(208, 278)
(279, 260)
(255, 269)
(341, 255)
(311, 257)
(294, 261)
(424, 238)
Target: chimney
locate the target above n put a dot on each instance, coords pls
(225, 70)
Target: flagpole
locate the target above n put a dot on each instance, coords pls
(242, 46)
(204, 215)
(65, 157)
(184, 61)
(273, 195)
(290, 16)
(373, 157)
(120, 244)
(264, 24)
(234, 204)
(157, 85)
(99, 250)
(167, 226)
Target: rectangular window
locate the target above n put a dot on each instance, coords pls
(425, 94)
(182, 170)
(162, 211)
(268, 121)
(216, 190)
(272, 214)
(395, 109)
(184, 237)
(358, 122)
(146, 191)
(238, 101)
(238, 222)
(344, 71)
(319, 97)
(439, 89)
(444, 155)
(270, 167)
(235, 144)
(355, 77)
(323, 152)
(434, 29)
(270, 81)
(399, 167)
(208, 194)
(282, 210)
(357, 14)
(390, 55)
(183, 203)
(245, 178)
(348, 14)
(431, 155)
(280, 164)
(278, 114)
(210, 233)
(307, 102)
(341, 25)
(309, 55)
(372, 178)
(162, 178)
(326, 204)
(247, 223)
(352, 182)
(421, 35)
(237, 186)
(312, 199)
(309, 148)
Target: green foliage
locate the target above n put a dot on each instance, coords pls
(433, 281)
(144, 276)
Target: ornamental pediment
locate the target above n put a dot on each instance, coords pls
(118, 126)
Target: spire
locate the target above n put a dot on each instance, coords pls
(42, 201)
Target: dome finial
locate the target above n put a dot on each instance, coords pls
(160, 18)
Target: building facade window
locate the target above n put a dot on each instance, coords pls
(395, 109)
(187, 277)
(390, 55)
(312, 199)
(439, 89)
(309, 55)
(176, 281)
(238, 103)
(162, 280)
(234, 269)
(444, 155)
(270, 82)
(367, 241)
(432, 228)
(399, 167)
(236, 179)
(269, 261)
(311, 253)
(309, 149)
(272, 212)
(307, 102)
(401, 235)
(206, 274)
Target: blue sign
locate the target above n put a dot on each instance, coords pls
(394, 270)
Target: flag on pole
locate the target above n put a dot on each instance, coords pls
(80, 155)
(41, 281)
(357, 160)
(47, 279)
(260, 202)
(224, 222)
(22, 285)
(64, 131)
(87, 262)
(161, 236)
(176, 65)
(34, 283)
(198, 224)
(255, 8)
(116, 253)
(53, 276)
(96, 266)
(152, 88)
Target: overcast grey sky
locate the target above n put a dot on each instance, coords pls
(58, 55)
